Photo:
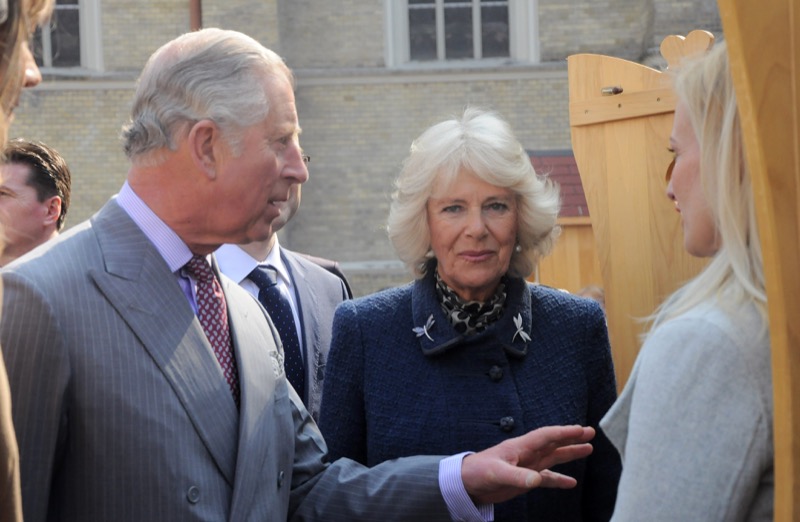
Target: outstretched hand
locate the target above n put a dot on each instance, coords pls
(518, 465)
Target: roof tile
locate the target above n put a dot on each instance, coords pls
(560, 166)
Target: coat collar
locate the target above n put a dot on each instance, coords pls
(440, 337)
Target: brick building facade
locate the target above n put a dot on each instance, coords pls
(360, 102)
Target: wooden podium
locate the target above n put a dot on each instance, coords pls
(621, 116)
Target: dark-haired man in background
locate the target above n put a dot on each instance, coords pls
(34, 196)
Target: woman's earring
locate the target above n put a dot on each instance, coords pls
(518, 248)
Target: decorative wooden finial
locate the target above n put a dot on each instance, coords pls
(675, 48)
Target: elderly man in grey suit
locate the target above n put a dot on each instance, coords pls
(311, 292)
(147, 387)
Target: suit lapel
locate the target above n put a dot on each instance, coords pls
(308, 311)
(140, 286)
(260, 367)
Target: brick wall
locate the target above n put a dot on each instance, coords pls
(256, 18)
(680, 16)
(621, 28)
(133, 30)
(358, 118)
(332, 34)
(84, 126)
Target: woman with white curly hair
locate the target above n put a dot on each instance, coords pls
(471, 354)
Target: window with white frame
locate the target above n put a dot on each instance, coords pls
(460, 31)
(72, 38)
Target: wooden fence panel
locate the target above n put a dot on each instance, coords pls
(573, 262)
(621, 117)
(764, 46)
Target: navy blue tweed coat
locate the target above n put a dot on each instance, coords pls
(394, 388)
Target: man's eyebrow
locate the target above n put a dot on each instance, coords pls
(286, 131)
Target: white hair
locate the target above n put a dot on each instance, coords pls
(482, 143)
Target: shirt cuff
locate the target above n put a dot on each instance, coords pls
(460, 506)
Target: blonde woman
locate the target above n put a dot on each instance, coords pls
(694, 422)
(17, 70)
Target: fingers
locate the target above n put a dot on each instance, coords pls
(503, 481)
(551, 445)
(490, 480)
(550, 479)
(546, 447)
(561, 455)
(519, 479)
(518, 465)
(555, 436)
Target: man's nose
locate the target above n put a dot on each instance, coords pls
(296, 168)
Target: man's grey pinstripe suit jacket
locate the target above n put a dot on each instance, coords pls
(122, 412)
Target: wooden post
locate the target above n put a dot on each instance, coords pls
(764, 47)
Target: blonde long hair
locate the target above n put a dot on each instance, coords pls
(735, 276)
(22, 19)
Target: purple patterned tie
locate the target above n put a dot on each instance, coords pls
(213, 315)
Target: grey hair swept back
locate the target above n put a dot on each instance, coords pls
(211, 74)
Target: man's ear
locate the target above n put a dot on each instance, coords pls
(203, 140)
(53, 204)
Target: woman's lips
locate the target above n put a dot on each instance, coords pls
(476, 256)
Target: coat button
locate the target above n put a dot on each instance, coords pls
(193, 495)
(495, 373)
(281, 476)
(507, 424)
